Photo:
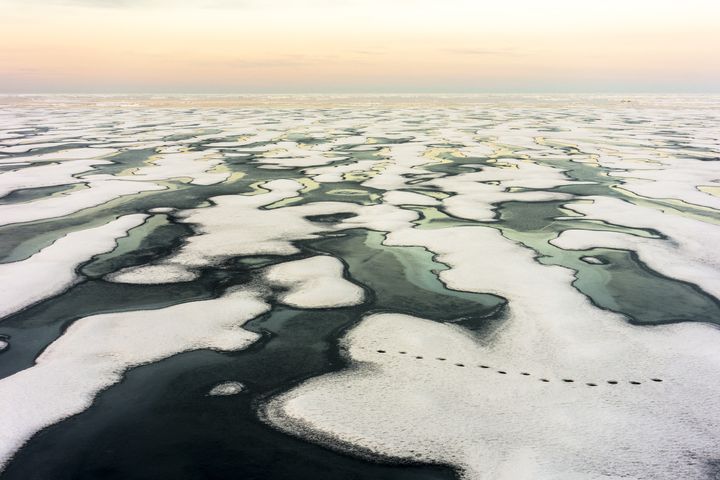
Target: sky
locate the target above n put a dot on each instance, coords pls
(359, 46)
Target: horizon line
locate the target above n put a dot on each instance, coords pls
(539, 92)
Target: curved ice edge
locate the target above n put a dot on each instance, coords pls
(53, 269)
(93, 355)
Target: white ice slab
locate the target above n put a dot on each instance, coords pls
(315, 282)
(94, 353)
(53, 269)
(498, 422)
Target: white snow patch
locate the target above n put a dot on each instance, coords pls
(52, 270)
(71, 154)
(493, 425)
(187, 164)
(96, 194)
(685, 255)
(476, 193)
(226, 389)
(94, 352)
(235, 225)
(290, 154)
(399, 197)
(46, 175)
(153, 274)
(315, 282)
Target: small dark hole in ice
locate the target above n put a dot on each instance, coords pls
(441, 359)
(381, 351)
(484, 366)
(591, 384)
(419, 357)
(656, 379)
(402, 353)
(524, 373)
(502, 372)
(459, 365)
(544, 380)
(632, 382)
(612, 382)
(568, 380)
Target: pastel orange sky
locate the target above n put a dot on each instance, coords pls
(241, 46)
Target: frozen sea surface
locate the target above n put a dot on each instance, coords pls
(366, 287)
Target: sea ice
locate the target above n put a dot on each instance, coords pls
(586, 419)
(315, 282)
(53, 269)
(226, 389)
(95, 351)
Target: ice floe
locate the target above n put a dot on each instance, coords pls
(398, 197)
(46, 175)
(53, 269)
(684, 254)
(95, 351)
(568, 390)
(95, 194)
(226, 389)
(238, 225)
(197, 166)
(675, 179)
(315, 282)
(71, 154)
(153, 274)
(477, 193)
(553, 388)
